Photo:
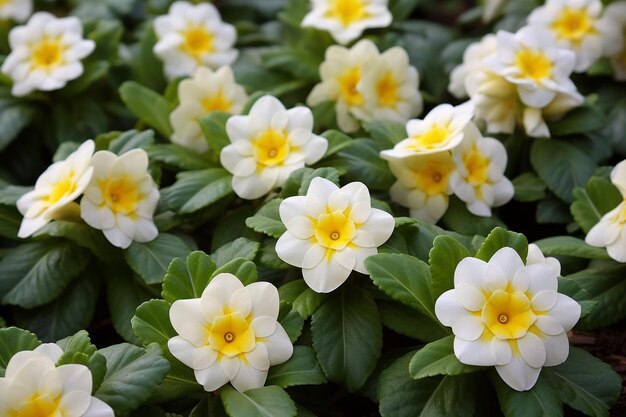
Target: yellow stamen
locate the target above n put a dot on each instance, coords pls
(197, 41)
(533, 64)
(47, 54)
(121, 195)
(217, 103)
(271, 147)
(231, 335)
(348, 82)
(347, 11)
(39, 405)
(388, 91)
(477, 166)
(573, 25)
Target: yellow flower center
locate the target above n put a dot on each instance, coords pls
(533, 64)
(334, 230)
(231, 335)
(271, 147)
(573, 25)
(508, 314)
(432, 177)
(217, 103)
(47, 54)
(434, 138)
(62, 189)
(39, 405)
(197, 41)
(347, 11)
(388, 90)
(477, 166)
(347, 83)
(121, 195)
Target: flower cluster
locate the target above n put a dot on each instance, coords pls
(46, 53)
(269, 144)
(119, 198)
(205, 92)
(34, 386)
(445, 153)
(367, 85)
(330, 232)
(192, 36)
(230, 334)
(510, 315)
(347, 19)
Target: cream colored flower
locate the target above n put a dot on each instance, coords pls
(609, 232)
(510, 315)
(330, 232)
(17, 10)
(230, 334)
(535, 256)
(613, 29)
(57, 187)
(33, 386)
(492, 8)
(347, 19)
(423, 184)
(390, 88)
(192, 36)
(269, 144)
(532, 61)
(121, 198)
(342, 73)
(574, 24)
(205, 92)
(442, 129)
(463, 78)
(479, 176)
(46, 53)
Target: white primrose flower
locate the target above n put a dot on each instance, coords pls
(532, 61)
(269, 144)
(535, 256)
(609, 232)
(192, 36)
(341, 74)
(230, 334)
(442, 129)
(463, 78)
(508, 315)
(479, 176)
(46, 53)
(57, 187)
(390, 88)
(423, 184)
(33, 386)
(613, 28)
(205, 92)
(574, 24)
(330, 232)
(17, 10)
(121, 198)
(347, 19)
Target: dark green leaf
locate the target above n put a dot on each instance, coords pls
(542, 400)
(437, 358)
(214, 129)
(124, 295)
(366, 166)
(301, 369)
(195, 190)
(188, 279)
(409, 322)
(243, 269)
(303, 299)
(131, 139)
(148, 106)
(337, 141)
(570, 246)
(238, 248)
(386, 133)
(597, 198)
(500, 238)
(13, 340)
(459, 219)
(178, 156)
(445, 255)
(529, 187)
(259, 402)
(150, 260)
(580, 120)
(267, 219)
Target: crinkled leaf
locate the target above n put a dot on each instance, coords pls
(500, 238)
(267, 219)
(13, 340)
(238, 248)
(150, 260)
(195, 190)
(188, 279)
(301, 369)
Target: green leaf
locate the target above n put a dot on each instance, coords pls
(94, 71)
(10, 194)
(259, 402)
(132, 375)
(151, 259)
(571, 288)
(195, 190)
(232, 225)
(148, 106)
(405, 279)
(402, 396)
(366, 166)
(36, 273)
(409, 322)
(593, 201)
(330, 174)
(292, 321)
(529, 187)
(243, 269)
(337, 141)
(188, 279)
(301, 369)
(13, 340)
(214, 129)
(605, 284)
(238, 248)
(131, 139)
(10, 220)
(437, 358)
(445, 255)
(541, 400)
(570, 246)
(585, 383)
(303, 299)
(151, 323)
(78, 343)
(67, 314)
(178, 156)
(267, 219)
(579, 120)
(401, 9)
(386, 133)
(347, 336)
(500, 238)
(124, 295)
(571, 169)
(268, 257)
(15, 115)
(459, 219)
(82, 235)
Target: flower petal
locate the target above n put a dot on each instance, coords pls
(518, 375)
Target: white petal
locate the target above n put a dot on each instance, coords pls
(448, 309)
(566, 311)
(544, 300)
(279, 346)
(258, 357)
(212, 377)
(326, 276)
(75, 403)
(76, 378)
(98, 408)
(292, 250)
(265, 301)
(508, 260)
(221, 288)
(248, 377)
(532, 350)
(471, 271)
(470, 297)
(476, 353)
(557, 348)
(549, 325)
(188, 320)
(379, 226)
(182, 350)
(501, 350)
(468, 328)
(518, 374)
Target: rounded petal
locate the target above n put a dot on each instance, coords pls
(476, 353)
(557, 348)
(566, 312)
(518, 375)
(248, 377)
(279, 347)
(212, 377)
(532, 350)
(326, 276)
(508, 260)
(98, 408)
(468, 328)
(265, 301)
(448, 309)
